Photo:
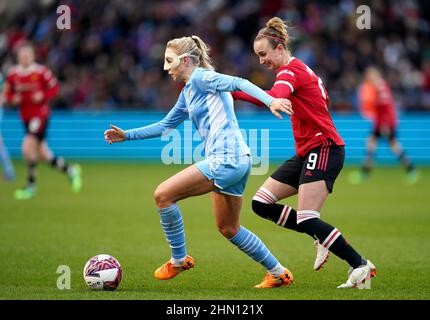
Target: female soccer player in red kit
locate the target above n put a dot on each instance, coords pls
(30, 86)
(319, 158)
(377, 103)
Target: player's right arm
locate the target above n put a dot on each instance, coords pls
(12, 97)
(211, 81)
(173, 119)
(285, 84)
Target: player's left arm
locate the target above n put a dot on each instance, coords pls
(51, 86)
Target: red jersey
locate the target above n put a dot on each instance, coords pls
(385, 111)
(311, 122)
(26, 82)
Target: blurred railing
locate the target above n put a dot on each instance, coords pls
(79, 135)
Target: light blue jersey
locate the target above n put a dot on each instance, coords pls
(206, 101)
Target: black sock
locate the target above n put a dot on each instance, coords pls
(367, 166)
(366, 170)
(283, 216)
(316, 228)
(332, 239)
(405, 161)
(31, 173)
(60, 164)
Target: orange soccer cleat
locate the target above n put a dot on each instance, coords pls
(169, 271)
(270, 281)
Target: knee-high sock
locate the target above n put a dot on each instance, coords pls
(31, 173)
(173, 227)
(250, 244)
(305, 221)
(263, 204)
(329, 237)
(60, 164)
(406, 162)
(368, 162)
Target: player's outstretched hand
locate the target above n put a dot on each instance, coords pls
(283, 105)
(114, 134)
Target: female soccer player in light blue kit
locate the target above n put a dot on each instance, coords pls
(206, 101)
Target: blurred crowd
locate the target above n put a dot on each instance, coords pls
(113, 55)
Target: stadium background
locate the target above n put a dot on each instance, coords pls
(109, 67)
(109, 64)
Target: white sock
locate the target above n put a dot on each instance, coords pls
(277, 271)
(177, 262)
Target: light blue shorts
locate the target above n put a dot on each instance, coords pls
(229, 174)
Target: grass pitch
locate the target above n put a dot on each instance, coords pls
(384, 219)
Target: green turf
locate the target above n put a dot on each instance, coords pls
(385, 220)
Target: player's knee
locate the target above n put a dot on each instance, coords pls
(29, 150)
(162, 197)
(29, 154)
(260, 208)
(228, 231)
(25, 153)
(44, 153)
(44, 157)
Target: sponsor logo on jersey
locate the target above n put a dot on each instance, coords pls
(291, 73)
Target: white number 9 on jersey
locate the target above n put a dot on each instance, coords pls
(312, 161)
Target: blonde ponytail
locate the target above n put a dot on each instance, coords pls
(197, 50)
(205, 59)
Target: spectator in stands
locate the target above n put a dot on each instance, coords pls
(110, 58)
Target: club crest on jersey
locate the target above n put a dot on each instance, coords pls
(214, 165)
(208, 76)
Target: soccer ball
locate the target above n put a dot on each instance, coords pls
(102, 272)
